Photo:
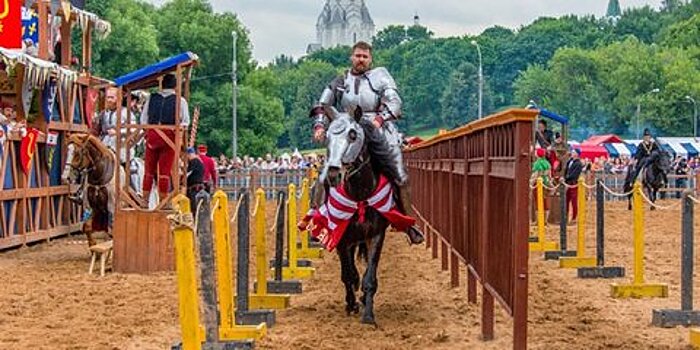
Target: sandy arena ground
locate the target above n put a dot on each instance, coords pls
(49, 302)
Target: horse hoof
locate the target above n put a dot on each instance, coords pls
(369, 320)
(352, 310)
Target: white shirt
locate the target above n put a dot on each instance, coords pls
(184, 109)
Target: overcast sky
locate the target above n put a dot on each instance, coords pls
(287, 26)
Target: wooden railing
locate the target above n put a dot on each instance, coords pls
(470, 191)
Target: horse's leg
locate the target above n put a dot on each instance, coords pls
(369, 282)
(651, 193)
(350, 277)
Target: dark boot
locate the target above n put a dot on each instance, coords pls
(413, 233)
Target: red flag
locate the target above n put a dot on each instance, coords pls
(90, 104)
(28, 148)
(10, 24)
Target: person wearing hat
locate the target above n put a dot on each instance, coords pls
(572, 171)
(195, 175)
(644, 150)
(159, 156)
(210, 175)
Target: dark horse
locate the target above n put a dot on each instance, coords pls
(349, 158)
(88, 156)
(653, 176)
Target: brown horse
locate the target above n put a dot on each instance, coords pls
(97, 164)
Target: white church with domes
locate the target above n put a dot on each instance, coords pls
(342, 22)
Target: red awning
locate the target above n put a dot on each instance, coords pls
(598, 140)
(592, 152)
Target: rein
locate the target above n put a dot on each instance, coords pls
(357, 169)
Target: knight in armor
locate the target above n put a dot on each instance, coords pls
(104, 126)
(373, 91)
(159, 109)
(644, 151)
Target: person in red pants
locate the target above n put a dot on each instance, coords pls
(571, 174)
(210, 180)
(159, 157)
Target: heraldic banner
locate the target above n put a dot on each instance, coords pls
(28, 148)
(10, 24)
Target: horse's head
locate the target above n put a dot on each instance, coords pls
(346, 140)
(78, 157)
(661, 160)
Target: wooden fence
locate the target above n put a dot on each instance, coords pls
(470, 191)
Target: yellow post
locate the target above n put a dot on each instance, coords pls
(187, 278)
(580, 260)
(638, 229)
(638, 288)
(541, 245)
(306, 252)
(695, 338)
(294, 271)
(228, 330)
(540, 210)
(224, 258)
(262, 300)
(260, 242)
(304, 209)
(292, 226)
(581, 219)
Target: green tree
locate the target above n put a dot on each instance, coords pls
(389, 37)
(310, 79)
(683, 34)
(131, 22)
(192, 25)
(338, 56)
(460, 102)
(418, 32)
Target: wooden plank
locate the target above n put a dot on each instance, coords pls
(69, 127)
(21, 193)
(140, 245)
(18, 240)
(153, 242)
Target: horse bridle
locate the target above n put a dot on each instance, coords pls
(84, 152)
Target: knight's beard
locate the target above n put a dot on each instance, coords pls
(359, 69)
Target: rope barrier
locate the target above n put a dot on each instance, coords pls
(616, 194)
(238, 206)
(215, 204)
(660, 207)
(196, 214)
(695, 200)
